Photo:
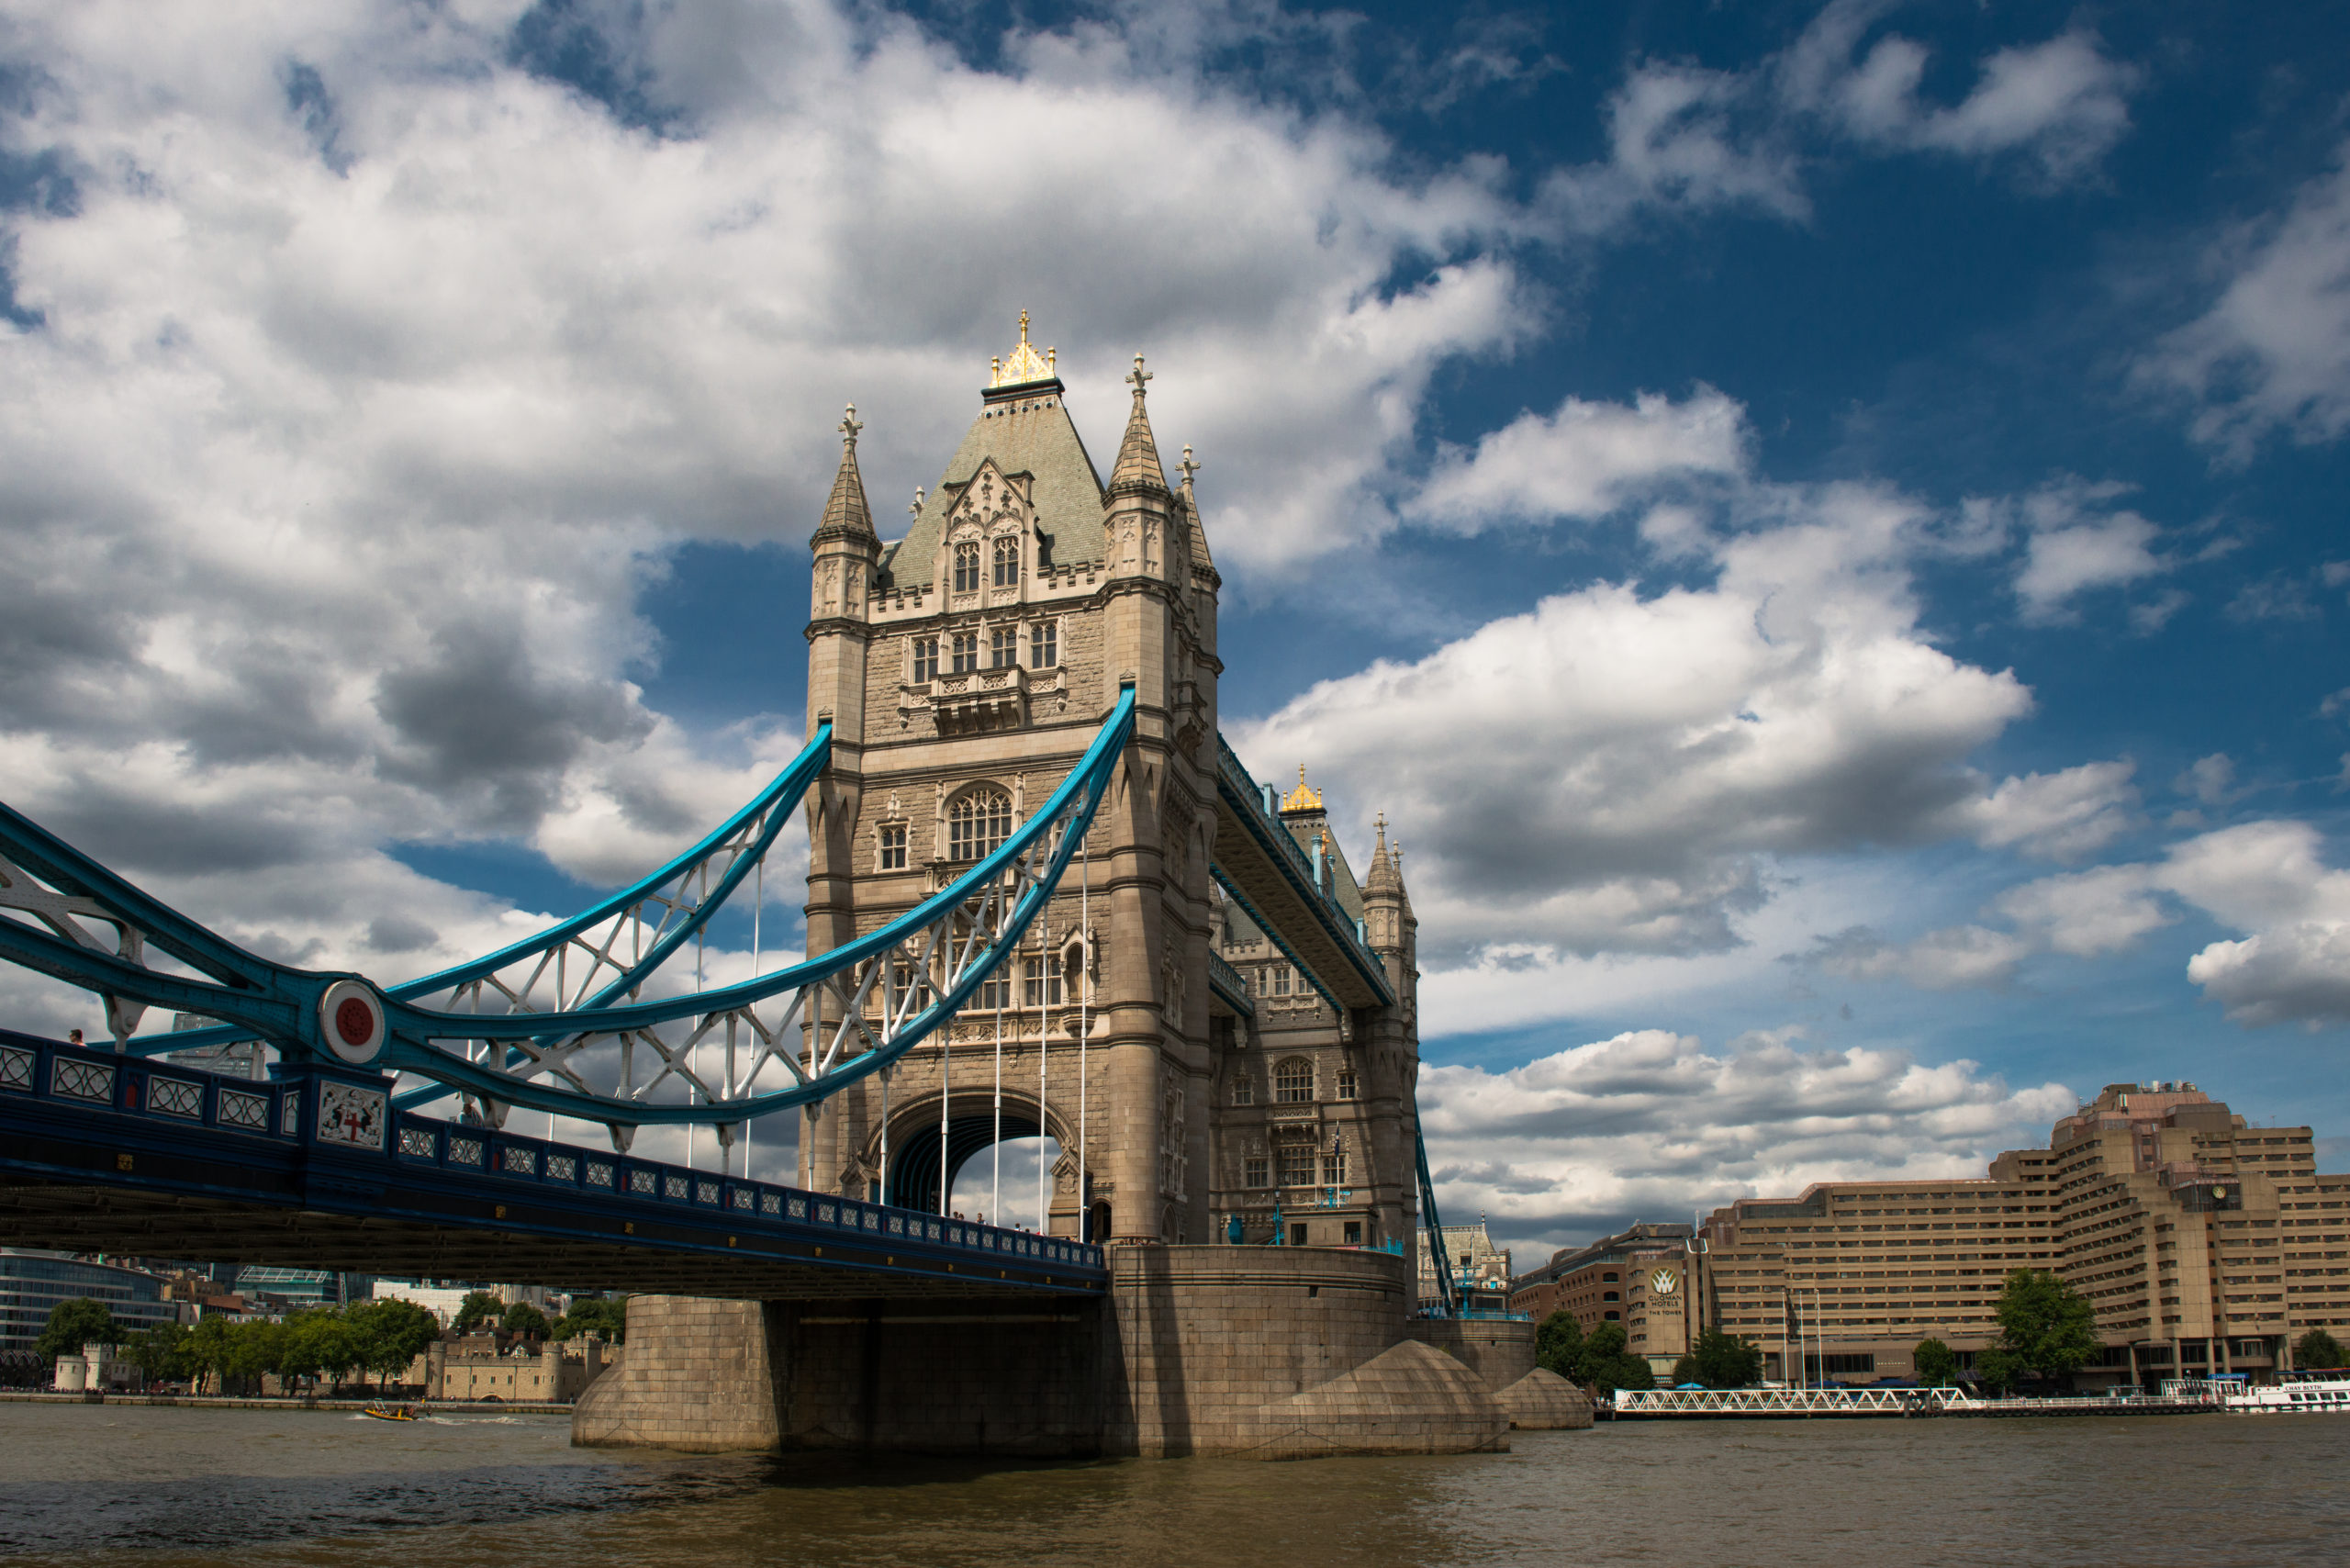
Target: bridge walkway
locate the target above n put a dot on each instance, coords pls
(101, 1152)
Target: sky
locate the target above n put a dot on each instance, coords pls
(1820, 527)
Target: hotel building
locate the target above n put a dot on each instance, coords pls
(2205, 1244)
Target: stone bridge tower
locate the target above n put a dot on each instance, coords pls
(965, 668)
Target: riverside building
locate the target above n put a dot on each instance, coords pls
(33, 1282)
(2205, 1245)
(1639, 1278)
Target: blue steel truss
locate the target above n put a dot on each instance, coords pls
(600, 1043)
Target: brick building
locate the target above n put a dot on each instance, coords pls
(1641, 1278)
(2205, 1244)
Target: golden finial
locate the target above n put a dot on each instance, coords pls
(1304, 798)
(1024, 365)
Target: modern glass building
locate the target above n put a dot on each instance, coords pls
(31, 1283)
(300, 1287)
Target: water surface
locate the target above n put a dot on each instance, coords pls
(163, 1487)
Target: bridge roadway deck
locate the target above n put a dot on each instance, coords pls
(102, 1152)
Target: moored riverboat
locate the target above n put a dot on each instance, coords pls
(2295, 1394)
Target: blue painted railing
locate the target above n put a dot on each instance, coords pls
(237, 1121)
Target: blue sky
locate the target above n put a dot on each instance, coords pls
(1819, 526)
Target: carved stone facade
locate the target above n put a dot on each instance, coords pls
(965, 668)
(1313, 1104)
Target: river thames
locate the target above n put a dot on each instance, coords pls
(159, 1487)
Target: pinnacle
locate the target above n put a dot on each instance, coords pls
(1137, 464)
(1200, 556)
(1382, 877)
(846, 512)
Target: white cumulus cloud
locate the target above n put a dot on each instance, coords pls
(1610, 771)
(1654, 1124)
(2272, 353)
(1584, 461)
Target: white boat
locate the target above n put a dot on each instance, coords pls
(2296, 1393)
(2293, 1393)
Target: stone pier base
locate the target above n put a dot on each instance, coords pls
(1545, 1402)
(696, 1375)
(1501, 1353)
(1281, 1353)
(1267, 1353)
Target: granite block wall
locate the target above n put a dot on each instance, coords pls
(1499, 1350)
(1275, 1352)
(695, 1375)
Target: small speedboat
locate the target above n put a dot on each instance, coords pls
(396, 1413)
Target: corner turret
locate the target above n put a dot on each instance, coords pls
(845, 546)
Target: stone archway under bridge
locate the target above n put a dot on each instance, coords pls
(973, 1129)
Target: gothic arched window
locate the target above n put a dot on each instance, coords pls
(1007, 562)
(967, 567)
(977, 824)
(1293, 1082)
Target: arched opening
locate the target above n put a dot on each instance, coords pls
(971, 1178)
(1013, 1201)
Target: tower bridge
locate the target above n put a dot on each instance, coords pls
(1044, 899)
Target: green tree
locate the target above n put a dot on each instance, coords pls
(2000, 1371)
(1608, 1365)
(255, 1349)
(1722, 1360)
(160, 1352)
(1558, 1345)
(2046, 1325)
(207, 1348)
(1936, 1362)
(337, 1345)
(73, 1324)
(2319, 1349)
(525, 1319)
(318, 1343)
(477, 1307)
(606, 1316)
(389, 1335)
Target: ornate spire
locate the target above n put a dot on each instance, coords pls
(1381, 878)
(1139, 452)
(1023, 366)
(846, 512)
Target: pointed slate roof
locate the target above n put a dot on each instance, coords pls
(846, 513)
(1028, 434)
(1199, 533)
(1383, 878)
(1137, 462)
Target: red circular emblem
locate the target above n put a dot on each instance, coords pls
(355, 1021)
